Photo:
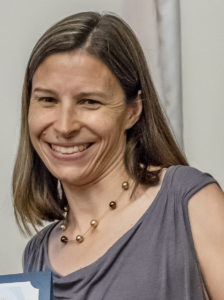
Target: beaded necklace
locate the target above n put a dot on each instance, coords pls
(93, 222)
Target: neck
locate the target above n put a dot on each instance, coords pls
(91, 200)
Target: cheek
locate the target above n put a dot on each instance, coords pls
(112, 130)
(37, 120)
(103, 125)
(32, 123)
(36, 128)
(107, 119)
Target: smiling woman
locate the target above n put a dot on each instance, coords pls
(82, 137)
(97, 157)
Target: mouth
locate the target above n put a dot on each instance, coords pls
(68, 150)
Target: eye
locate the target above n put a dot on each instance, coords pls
(90, 103)
(47, 99)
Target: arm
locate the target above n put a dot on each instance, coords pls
(206, 212)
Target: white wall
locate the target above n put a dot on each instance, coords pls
(203, 84)
(21, 24)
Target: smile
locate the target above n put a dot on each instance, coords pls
(70, 149)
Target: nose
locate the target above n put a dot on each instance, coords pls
(67, 122)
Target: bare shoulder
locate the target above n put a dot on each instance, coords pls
(206, 212)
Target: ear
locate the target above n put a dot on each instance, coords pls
(134, 111)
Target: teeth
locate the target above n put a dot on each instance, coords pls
(81, 148)
(69, 150)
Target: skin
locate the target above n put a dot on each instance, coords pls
(206, 211)
(76, 101)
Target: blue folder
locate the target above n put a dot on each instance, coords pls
(39, 280)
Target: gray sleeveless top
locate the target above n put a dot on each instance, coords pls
(154, 260)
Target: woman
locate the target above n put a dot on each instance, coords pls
(97, 157)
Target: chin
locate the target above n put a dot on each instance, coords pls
(71, 178)
(73, 181)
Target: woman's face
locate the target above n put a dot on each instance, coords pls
(78, 117)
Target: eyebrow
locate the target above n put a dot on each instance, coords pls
(81, 94)
(97, 94)
(42, 90)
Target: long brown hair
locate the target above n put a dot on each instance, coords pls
(149, 141)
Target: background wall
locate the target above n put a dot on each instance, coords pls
(203, 86)
(22, 23)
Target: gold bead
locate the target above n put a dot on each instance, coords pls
(125, 185)
(64, 239)
(63, 227)
(94, 223)
(79, 238)
(113, 204)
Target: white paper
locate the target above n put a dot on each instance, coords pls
(18, 291)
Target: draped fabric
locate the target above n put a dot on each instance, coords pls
(157, 26)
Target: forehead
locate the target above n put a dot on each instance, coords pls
(77, 70)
